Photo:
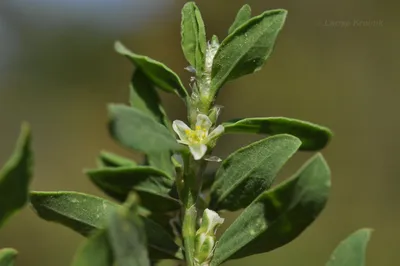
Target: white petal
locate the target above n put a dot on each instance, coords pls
(203, 122)
(198, 150)
(180, 128)
(211, 221)
(191, 69)
(216, 132)
(213, 159)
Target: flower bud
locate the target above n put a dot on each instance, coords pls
(210, 222)
(214, 113)
(204, 249)
(205, 237)
(215, 41)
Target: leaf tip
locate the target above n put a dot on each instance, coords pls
(291, 137)
(281, 11)
(7, 255)
(112, 108)
(25, 135)
(25, 127)
(33, 193)
(329, 133)
(247, 7)
(10, 251)
(34, 201)
(189, 4)
(366, 231)
(120, 48)
(87, 171)
(319, 158)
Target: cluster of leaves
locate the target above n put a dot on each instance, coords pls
(143, 224)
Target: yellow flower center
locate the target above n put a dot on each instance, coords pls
(196, 136)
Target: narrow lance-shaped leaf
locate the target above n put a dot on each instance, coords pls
(152, 185)
(278, 215)
(250, 171)
(15, 177)
(109, 159)
(7, 256)
(247, 48)
(96, 251)
(85, 214)
(162, 76)
(242, 16)
(127, 236)
(144, 97)
(351, 251)
(193, 36)
(312, 136)
(136, 130)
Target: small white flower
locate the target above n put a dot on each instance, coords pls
(198, 138)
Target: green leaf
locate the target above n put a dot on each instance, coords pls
(312, 136)
(250, 171)
(81, 212)
(96, 251)
(127, 236)
(152, 185)
(162, 161)
(279, 215)
(193, 36)
(162, 76)
(136, 130)
(144, 97)
(109, 159)
(7, 256)
(247, 48)
(351, 251)
(160, 242)
(242, 17)
(85, 213)
(16, 176)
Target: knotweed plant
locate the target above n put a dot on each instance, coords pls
(167, 207)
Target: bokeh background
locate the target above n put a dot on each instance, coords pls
(335, 63)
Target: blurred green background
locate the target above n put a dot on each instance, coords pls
(334, 64)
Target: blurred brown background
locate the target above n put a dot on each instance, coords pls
(334, 64)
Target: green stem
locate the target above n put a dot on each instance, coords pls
(193, 171)
(190, 194)
(189, 233)
(191, 189)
